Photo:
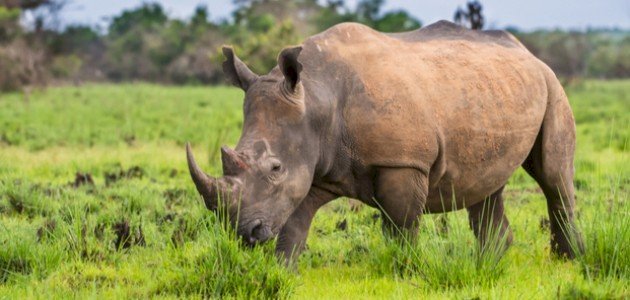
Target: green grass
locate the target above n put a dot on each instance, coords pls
(136, 227)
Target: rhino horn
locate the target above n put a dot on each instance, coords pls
(232, 162)
(206, 185)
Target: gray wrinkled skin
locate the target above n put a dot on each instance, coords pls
(400, 122)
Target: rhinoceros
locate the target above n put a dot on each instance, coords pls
(425, 121)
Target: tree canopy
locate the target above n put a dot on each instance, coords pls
(145, 43)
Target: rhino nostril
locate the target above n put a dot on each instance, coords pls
(261, 233)
(257, 231)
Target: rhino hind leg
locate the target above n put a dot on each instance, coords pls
(550, 163)
(400, 196)
(489, 223)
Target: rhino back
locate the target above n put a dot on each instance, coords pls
(465, 106)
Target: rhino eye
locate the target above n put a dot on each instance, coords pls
(276, 167)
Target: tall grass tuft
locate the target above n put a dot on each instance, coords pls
(226, 268)
(607, 244)
(21, 255)
(454, 260)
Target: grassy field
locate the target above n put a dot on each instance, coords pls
(96, 201)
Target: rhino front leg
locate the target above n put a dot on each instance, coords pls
(489, 223)
(400, 195)
(292, 237)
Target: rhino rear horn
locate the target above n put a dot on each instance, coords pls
(232, 162)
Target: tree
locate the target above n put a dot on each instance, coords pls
(146, 16)
(9, 24)
(44, 12)
(200, 17)
(74, 39)
(334, 12)
(471, 18)
(369, 13)
(23, 53)
(24, 4)
(396, 21)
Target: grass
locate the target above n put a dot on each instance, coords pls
(440, 263)
(96, 201)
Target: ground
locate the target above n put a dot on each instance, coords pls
(96, 200)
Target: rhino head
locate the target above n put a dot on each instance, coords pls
(271, 170)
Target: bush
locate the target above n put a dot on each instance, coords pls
(200, 64)
(9, 23)
(66, 66)
(22, 64)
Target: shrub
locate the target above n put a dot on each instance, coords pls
(66, 66)
(22, 64)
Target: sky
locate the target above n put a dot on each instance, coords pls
(523, 14)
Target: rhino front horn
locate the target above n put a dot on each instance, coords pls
(206, 185)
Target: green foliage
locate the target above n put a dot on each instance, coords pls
(396, 22)
(367, 12)
(9, 24)
(75, 39)
(574, 54)
(145, 50)
(145, 43)
(200, 17)
(329, 16)
(66, 66)
(260, 48)
(148, 15)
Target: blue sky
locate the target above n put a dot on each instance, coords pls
(524, 14)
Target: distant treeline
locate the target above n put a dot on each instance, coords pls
(146, 44)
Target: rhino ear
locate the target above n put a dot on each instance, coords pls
(236, 72)
(290, 67)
